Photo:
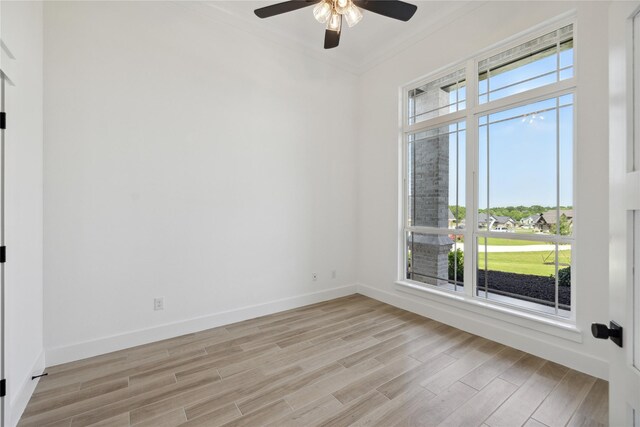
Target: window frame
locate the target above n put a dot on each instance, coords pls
(420, 229)
(471, 114)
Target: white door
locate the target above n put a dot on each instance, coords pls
(624, 211)
(3, 83)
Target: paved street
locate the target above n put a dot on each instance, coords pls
(525, 248)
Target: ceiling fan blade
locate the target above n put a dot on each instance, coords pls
(395, 9)
(331, 39)
(284, 7)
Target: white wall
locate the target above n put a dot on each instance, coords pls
(21, 31)
(186, 159)
(479, 29)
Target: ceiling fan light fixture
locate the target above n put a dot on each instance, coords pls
(335, 22)
(342, 5)
(322, 12)
(352, 14)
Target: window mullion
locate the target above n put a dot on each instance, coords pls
(436, 122)
(558, 219)
(471, 179)
(544, 92)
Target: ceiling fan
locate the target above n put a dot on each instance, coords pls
(331, 12)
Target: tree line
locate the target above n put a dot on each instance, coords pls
(515, 212)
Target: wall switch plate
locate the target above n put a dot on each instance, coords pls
(158, 303)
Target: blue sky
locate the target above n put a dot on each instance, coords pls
(523, 155)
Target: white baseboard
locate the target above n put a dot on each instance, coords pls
(482, 326)
(82, 350)
(469, 322)
(19, 397)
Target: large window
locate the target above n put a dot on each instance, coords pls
(495, 201)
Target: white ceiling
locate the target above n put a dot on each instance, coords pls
(374, 39)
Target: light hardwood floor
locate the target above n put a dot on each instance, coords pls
(349, 361)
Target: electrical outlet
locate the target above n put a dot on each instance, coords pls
(314, 276)
(334, 274)
(158, 303)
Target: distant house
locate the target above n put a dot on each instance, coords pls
(452, 220)
(549, 219)
(495, 222)
(530, 221)
(541, 224)
(485, 221)
(503, 223)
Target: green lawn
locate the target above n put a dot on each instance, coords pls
(523, 262)
(491, 241)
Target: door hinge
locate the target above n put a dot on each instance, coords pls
(3, 120)
(3, 388)
(3, 254)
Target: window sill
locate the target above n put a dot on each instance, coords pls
(558, 328)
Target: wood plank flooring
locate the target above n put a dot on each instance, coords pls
(349, 361)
